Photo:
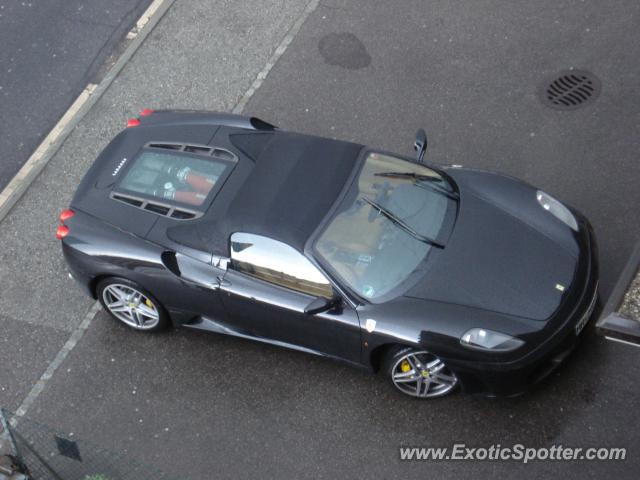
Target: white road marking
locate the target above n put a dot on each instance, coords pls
(144, 19)
(48, 148)
(36, 162)
(278, 52)
(73, 340)
(89, 96)
(619, 340)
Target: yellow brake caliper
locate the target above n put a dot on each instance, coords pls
(405, 366)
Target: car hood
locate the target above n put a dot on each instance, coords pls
(505, 254)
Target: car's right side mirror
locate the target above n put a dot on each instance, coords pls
(321, 304)
(420, 145)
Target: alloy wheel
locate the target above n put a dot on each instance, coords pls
(131, 306)
(423, 375)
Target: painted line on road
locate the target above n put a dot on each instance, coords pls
(144, 19)
(278, 52)
(73, 340)
(154, 9)
(89, 96)
(619, 340)
(43, 154)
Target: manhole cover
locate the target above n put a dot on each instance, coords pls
(570, 89)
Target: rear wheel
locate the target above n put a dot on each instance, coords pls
(131, 304)
(419, 373)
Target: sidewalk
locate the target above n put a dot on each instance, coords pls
(203, 55)
(631, 306)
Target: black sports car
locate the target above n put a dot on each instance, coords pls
(439, 277)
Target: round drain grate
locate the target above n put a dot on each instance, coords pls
(570, 89)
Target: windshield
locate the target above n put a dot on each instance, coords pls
(386, 226)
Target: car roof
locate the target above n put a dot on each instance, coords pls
(282, 187)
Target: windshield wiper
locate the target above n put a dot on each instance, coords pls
(431, 182)
(402, 224)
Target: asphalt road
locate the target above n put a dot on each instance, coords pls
(205, 406)
(49, 51)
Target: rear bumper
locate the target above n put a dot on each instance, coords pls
(75, 266)
(516, 377)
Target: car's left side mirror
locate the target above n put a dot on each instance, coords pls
(321, 304)
(420, 145)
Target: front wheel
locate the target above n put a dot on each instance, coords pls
(131, 304)
(419, 373)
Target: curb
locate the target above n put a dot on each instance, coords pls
(83, 103)
(610, 324)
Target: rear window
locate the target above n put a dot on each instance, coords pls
(174, 177)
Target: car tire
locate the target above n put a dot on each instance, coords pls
(132, 305)
(418, 373)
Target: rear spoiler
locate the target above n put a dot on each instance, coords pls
(154, 117)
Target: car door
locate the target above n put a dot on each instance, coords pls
(266, 289)
(193, 289)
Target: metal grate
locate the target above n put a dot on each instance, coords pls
(570, 89)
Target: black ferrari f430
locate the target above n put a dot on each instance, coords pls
(436, 276)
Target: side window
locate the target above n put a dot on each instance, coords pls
(277, 263)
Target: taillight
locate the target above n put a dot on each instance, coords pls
(62, 232)
(66, 215)
(146, 112)
(133, 122)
